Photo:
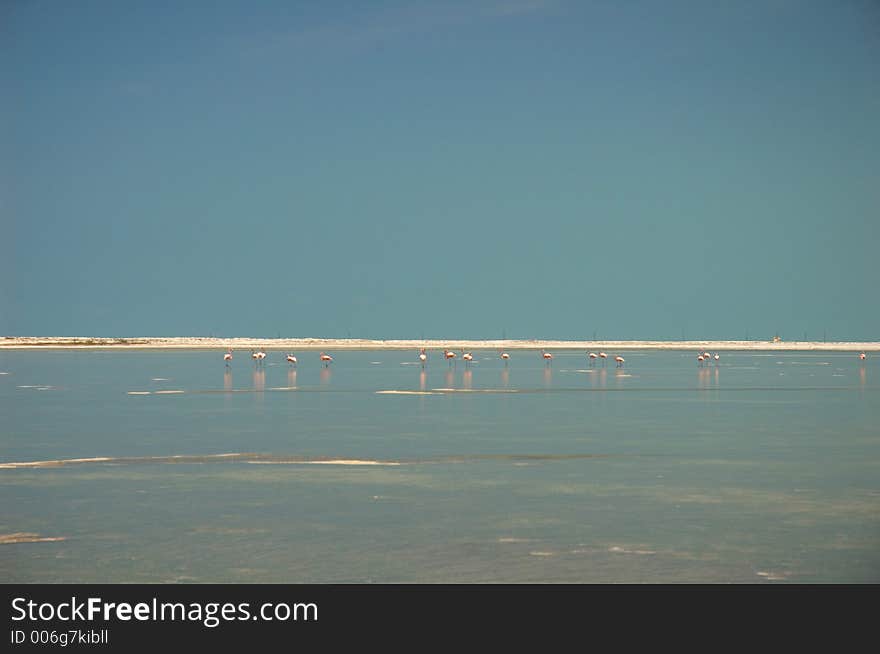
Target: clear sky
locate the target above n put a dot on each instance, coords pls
(463, 169)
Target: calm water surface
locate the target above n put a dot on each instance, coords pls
(764, 468)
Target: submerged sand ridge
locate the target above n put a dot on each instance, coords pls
(197, 342)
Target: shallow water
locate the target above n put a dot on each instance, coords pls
(763, 468)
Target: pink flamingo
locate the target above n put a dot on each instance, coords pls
(467, 357)
(450, 356)
(700, 359)
(717, 357)
(604, 357)
(506, 357)
(291, 360)
(227, 357)
(547, 356)
(326, 359)
(423, 357)
(862, 356)
(592, 356)
(619, 360)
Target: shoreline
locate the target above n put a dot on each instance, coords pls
(210, 343)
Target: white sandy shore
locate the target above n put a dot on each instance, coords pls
(293, 344)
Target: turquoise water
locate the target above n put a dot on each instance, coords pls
(762, 469)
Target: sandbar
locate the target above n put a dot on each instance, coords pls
(294, 344)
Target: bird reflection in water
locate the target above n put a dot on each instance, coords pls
(449, 379)
(259, 376)
(702, 378)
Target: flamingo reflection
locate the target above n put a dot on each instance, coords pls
(450, 379)
(707, 377)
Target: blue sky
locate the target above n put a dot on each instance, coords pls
(528, 169)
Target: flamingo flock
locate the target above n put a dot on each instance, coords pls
(703, 358)
(259, 356)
